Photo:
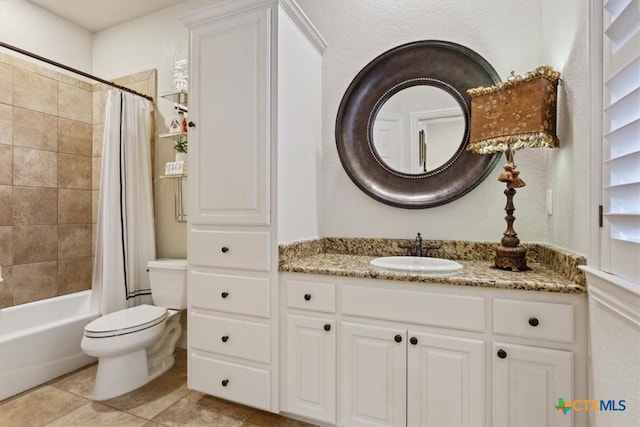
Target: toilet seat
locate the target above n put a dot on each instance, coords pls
(126, 321)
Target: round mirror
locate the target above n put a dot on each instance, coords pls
(371, 156)
(418, 129)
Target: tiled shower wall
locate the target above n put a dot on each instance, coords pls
(50, 151)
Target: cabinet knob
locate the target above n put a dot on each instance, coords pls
(413, 340)
(327, 327)
(224, 383)
(224, 294)
(398, 338)
(307, 297)
(224, 249)
(502, 354)
(533, 321)
(225, 338)
(192, 125)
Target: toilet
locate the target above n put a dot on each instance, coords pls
(136, 345)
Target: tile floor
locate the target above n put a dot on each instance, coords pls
(166, 401)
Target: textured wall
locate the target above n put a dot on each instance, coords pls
(507, 34)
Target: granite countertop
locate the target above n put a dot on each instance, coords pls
(552, 269)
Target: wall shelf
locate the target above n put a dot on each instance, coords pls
(180, 97)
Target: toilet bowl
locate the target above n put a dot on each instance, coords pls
(136, 345)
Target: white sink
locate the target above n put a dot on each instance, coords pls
(417, 264)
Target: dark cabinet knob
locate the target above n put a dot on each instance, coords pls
(327, 327)
(225, 338)
(502, 354)
(224, 249)
(224, 383)
(533, 321)
(398, 338)
(192, 125)
(307, 297)
(224, 294)
(413, 340)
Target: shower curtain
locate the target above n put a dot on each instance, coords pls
(125, 239)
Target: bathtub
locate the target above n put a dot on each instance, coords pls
(40, 341)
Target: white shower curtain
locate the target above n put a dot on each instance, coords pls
(125, 239)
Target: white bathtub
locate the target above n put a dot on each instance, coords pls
(40, 341)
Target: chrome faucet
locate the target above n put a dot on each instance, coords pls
(418, 245)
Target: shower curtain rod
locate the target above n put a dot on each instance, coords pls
(73, 70)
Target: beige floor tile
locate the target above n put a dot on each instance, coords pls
(198, 409)
(80, 382)
(267, 419)
(38, 407)
(96, 415)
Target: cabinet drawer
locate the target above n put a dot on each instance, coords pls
(529, 319)
(246, 340)
(231, 294)
(238, 383)
(230, 249)
(312, 296)
(450, 311)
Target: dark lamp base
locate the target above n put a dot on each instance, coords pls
(511, 258)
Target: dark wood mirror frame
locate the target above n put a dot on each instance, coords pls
(446, 65)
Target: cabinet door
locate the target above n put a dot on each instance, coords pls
(373, 375)
(229, 152)
(445, 381)
(311, 367)
(527, 382)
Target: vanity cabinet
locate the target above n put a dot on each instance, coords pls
(255, 79)
(431, 355)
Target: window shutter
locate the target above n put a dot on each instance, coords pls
(621, 140)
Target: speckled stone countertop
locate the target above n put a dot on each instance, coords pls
(552, 269)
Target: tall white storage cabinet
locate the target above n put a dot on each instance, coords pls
(255, 112)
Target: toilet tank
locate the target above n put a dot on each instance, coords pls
(168, 278)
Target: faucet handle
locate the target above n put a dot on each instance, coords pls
(429, 248)
(407, 249)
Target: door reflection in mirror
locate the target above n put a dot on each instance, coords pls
(418, 129)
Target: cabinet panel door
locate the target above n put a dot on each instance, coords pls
(229, 146)
(373, 376)
(311, 367)
(445, 381)
(527, 382)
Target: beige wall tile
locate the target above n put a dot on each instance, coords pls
(95, 201)
(35, 206)
(74, 206)
(85, 85)
(6, 124)
(20, 63)
(74, 171)
(74, 137)
(96, 168)
(6, 245)
(133, 78)
(6, 84)
(46, 71)
(74, 275)
(98, 136)
(6, 205)
(99, 103)
(35, 92)
(35, 168)
(35, 243)
(6, 164)
(74, 240)
(6, 291)
(35, 130)
(33, 282)
(75, 103)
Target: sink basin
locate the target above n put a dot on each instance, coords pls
(417, 264)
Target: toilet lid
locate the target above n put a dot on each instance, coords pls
(126, 321)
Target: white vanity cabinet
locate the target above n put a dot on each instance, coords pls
(255, 79)
(433, 355)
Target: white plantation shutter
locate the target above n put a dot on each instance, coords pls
(621, 140)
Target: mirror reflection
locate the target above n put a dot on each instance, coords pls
(418, 129)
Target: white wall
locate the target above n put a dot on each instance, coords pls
(507, 34)
(29, 27)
